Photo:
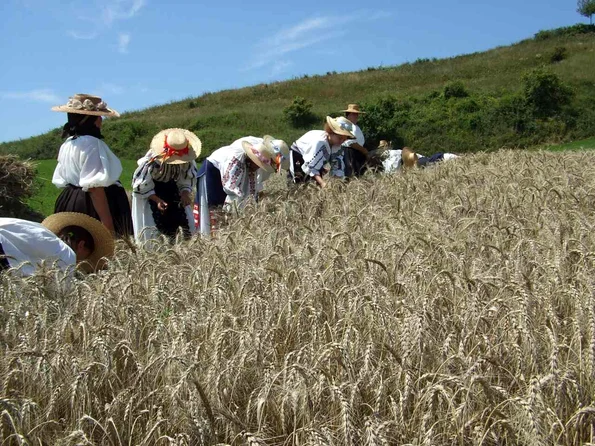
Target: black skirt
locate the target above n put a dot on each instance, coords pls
(174, 217)
(3, 260)
(74, 199)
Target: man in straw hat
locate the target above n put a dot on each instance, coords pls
(233, 174)
(162, 186)
(88, 172)
(310, 153)
(351, 159)
(65, 238)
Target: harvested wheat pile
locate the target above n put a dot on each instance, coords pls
(453, 305)
(16, 185)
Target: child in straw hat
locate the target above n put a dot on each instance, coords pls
(88, 172)
(65, 238)
(233, 174)
(313, 150)
(162, 186)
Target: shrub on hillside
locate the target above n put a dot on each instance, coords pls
(579, 28)
(299, 113)
(545, 93)
(558, 55)
(454, 89)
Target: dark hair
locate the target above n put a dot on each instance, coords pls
(72, 235)
(79, 125)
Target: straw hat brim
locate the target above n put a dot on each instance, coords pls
(338, 130)
(350, 110)
(66, 109)
(248, 150)
(194, 146)
(102, 238)
(409, 157)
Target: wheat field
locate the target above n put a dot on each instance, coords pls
(450, 306)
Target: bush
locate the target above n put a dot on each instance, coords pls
(299, 113)
(544, 93)
(558, 55)
(568, 31)
(454, 89)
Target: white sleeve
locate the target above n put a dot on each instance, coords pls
(187, 178)
(320, 156)
(99, 167)
(234, 176)
(142, 180)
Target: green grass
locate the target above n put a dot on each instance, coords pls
(45, 197)
(585, 144)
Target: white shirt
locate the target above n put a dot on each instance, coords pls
(26, 244)
(86, 162)
(359, 137)
(239, 183)
(316, 150)
(145, 175)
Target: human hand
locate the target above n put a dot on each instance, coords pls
(161, 205)
(186, 198)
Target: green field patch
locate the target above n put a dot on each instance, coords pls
(584, 144)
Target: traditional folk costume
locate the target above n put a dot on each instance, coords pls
(350, 160)
(24, 245)
(86, 162)
(227, 180)
(310, 153)
(395, 160)
(166, 171)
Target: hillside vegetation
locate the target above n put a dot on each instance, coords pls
(538, 90)
(452, 305)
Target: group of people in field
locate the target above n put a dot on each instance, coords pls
(170, 194)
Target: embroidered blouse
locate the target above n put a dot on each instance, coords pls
(150, 170)
(86, 162)
(239, 182)
(316, 151)
(26, 244)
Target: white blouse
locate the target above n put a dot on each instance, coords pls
(26, 244)
(86, 162)
(239, 183)
(359, 137)
(147, 172)
(316, 151)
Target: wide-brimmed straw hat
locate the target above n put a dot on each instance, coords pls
(102, 238)
(271, 155)
(353, 108)
(409, 157)
(175, 146)
(341, 126)
(384, 145)
(86, 104)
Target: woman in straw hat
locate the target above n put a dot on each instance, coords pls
(394, 160)
(162, 186)
(313, 150)
(233, 174)
(351, 159)
(87, 170)
(62, 239)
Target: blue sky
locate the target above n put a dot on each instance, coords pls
(138, 53)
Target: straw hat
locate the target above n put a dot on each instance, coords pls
(103, 240)
(175, 146)
(272, 154)
(384, 145)
(85, 104)
(353, 108)
(409, 157)
(341, 126)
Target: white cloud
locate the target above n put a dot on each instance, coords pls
(123, 42)
(41, 95)
(305, 34)
(82, 35)
(120, 10)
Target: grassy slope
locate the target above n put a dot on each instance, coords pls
(219, 118)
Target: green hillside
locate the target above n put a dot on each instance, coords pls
(484, 100)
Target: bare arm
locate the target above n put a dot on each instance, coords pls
(100, 204)
(319, 180)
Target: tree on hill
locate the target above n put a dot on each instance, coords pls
(586, 8)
